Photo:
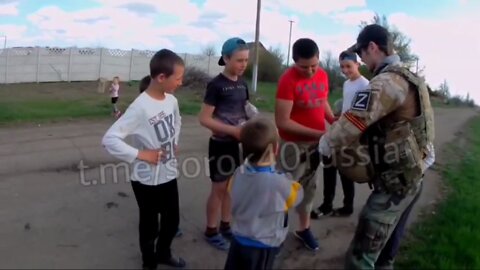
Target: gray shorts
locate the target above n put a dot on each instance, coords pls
(301, 161)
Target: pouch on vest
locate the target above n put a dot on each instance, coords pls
(403, 158)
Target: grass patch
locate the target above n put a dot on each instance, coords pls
(45, 102)
(449, 239)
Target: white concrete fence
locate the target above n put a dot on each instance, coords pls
(37, 64)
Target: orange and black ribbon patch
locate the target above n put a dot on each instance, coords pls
(355, 121)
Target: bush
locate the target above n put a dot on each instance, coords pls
(195, 78)
(270, 66)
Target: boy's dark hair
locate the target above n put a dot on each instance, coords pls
(377, 34)
(258, 136)
(144, 83)
(164, 62)
(304, 48)
(346, 55)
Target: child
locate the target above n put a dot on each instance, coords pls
(114, 89)
(154, 120)
(143, 85)
(223, 112)
(261, 198)
(355, 82)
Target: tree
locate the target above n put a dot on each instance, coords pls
(332, 67)
(209, 51)
(270, 65)
(277, 53)
(401, 43)
(444, 89)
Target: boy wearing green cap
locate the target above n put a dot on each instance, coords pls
(223, 112)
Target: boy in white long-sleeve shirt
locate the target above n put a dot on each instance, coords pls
(153, 119)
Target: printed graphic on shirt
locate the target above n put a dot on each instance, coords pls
(312, 95)
(165, 130)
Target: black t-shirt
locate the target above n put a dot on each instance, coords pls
(229, 98)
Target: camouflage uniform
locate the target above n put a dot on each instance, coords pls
(390, 100)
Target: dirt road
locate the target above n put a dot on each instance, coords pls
(53, 215)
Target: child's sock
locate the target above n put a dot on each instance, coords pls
(211, 231)
(224, 226)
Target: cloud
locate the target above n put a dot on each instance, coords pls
(309, 7)
(449, 48)
(9, 8)
(183, 9)
(12, 32)
(353, 18)
(93, 27)
(139, 8)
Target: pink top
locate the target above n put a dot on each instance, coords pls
(114, 90)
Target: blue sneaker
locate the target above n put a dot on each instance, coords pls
(307, 238)
(218, 241)
(179, 233)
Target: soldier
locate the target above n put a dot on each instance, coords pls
(384, 139)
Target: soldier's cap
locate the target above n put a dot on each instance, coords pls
(371, 33)
(230, 46)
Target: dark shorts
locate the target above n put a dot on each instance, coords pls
(114, 100)
(224, 158)
(250, 258)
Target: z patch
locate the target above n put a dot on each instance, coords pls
(361, 101)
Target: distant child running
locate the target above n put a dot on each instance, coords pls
(261, 198)
(153, 119)
(114, 93)
(223, 112)
(355, 82)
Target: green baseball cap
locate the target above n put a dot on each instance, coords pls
(230, 46)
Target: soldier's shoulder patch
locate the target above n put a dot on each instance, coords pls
(361, 101)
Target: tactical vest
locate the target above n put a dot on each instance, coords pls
(392, 155)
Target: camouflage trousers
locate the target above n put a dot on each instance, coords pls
(380, 228)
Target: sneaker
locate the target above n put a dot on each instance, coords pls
(218, 241)
(149, 267)
(174, 262)
(343, 212)
(307, 238)
(323, 210)
(179, 233)
(228, 234)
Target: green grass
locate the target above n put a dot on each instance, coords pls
(47, 102)
(450, 238)
(34, 110)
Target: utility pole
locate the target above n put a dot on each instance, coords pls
(257, 36)
(289, 42)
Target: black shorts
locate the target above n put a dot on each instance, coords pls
(223, 159)
(245, 258)
(114, 100)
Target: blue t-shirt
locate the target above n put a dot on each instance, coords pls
(229, 98)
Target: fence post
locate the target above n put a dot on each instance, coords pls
(131, 64)
(6, 64)
(38, 65)
(101, 59)
(69, 65)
